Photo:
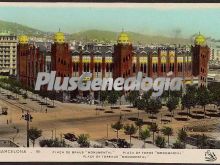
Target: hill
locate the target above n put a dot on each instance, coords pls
(17, 29)
(90, 35)
(109, 36)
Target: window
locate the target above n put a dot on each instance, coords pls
(155, 67)
(107, 67)
(96, 67)
(180, 67)
(84, 67)
(99, 67)
(142, 68)
(111, 66)
(87, 67)
(172, 67)
(163, 67)
(75, 67)
(145, 68)
(134, 68)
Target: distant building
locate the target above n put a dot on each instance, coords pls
(8, 52)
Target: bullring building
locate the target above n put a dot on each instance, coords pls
(119, 60)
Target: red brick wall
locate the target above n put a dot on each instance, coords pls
(61, 60)
(201, 55)
(122, 60)
(29, 63)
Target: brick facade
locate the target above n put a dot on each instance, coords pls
(61, 60)
(29, 62)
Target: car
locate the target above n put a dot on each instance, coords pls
(70, 137)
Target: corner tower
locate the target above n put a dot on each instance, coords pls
(122, 57)
(29, 62)
(200, 58)
(61, 60)
(23, 51)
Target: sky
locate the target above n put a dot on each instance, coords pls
(183, 22)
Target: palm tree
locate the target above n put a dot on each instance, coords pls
(144, 134)
(34, 134)
(160, 141)
(83, 140)
(117, 126)
(168, 132)
(153, 128)
(130, 130)
(139, 123)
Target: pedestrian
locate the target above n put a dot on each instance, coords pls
(46, 110)
(7, 121)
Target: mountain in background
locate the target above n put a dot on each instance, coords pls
(90, 35)
(18, 29)
(107, 36)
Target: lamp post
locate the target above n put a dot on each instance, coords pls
(28, 118)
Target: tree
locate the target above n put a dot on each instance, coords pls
(144, 134)
(132, 97)
(130, 130)
(214, 89)
(141, 104)
(52, 143)
(51, 95)
(160, 141)
(113, 97)
(178, 145)
(182, 136)
(154, 105)
(188, 101)
(25, 96)
(83, 140)
(167, 131)
(34, 134)
(146, 95)
(172, 104)
(103, 97)
(117, 126)
(153, 129)
(139, 123)
(202, 141)
(203, 97)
